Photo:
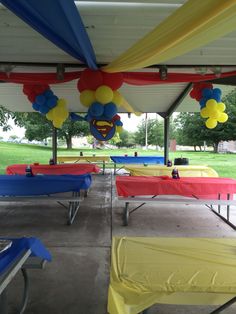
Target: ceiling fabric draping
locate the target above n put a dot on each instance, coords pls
(60, 22)
(131, 78)
(193, 25)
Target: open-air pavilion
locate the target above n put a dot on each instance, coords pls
(77, 279)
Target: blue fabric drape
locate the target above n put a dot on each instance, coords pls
(60, 22)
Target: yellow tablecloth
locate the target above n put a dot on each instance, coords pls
(145, 271)
(160, 170)
(83, 158)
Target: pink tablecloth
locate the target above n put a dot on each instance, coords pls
(76, 169)
(186, 186)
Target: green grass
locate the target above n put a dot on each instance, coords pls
(11, 153)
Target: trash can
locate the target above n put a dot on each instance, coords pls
(181, 161)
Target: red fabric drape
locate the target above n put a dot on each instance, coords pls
(132, 78)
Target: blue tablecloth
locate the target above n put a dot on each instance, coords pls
(137, 160)
(18, 247)
(20, 185)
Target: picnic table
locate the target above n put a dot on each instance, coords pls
(89, 159)
(161, 170)
(124, 160)
(74, 169)
(194, 190)
(193, 271)
(20, 255)
(45, 188)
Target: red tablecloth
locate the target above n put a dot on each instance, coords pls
(186, 186)
(76, 169)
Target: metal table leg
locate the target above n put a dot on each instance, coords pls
(126, 215)
(224, 306)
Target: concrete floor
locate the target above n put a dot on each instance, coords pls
(76, 282)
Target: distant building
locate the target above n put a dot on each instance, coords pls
(227, 147)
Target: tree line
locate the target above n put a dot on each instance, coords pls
(187, 128)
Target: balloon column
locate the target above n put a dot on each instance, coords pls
(210, 102)
(44, 101)
(98, 92)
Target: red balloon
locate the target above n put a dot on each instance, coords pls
(31, 97)
(116, 117)
(27, 89)
(113, 80)
(81, 85)
(40, 89)
(193, 93)
(92, 79)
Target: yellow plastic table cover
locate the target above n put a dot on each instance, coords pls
(145, 271)
(83, 158)
(160, 170)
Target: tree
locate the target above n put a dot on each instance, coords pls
(126, 139)
(5, 115)
(155, 131)
(192, 130)
(39, 128)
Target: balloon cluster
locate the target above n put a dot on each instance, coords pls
(98, 92)
(44, 101)
(210, 102)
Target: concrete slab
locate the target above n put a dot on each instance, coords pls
(76, 281)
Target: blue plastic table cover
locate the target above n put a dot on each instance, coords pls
(138, 159)
(20, 245)
(20, 185)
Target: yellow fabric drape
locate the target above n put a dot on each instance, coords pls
(195, 24)
(145, 271)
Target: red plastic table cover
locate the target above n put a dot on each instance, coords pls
(74, 169)
(186, 186)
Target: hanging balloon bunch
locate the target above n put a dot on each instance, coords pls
(98, 92)
(44, 101)
(210, 102)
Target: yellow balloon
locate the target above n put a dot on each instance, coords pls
(57, 123)
(215, 114)
(223, 117)
(119, 129)
(61, 102)
(211, 104)
(104, 94)
(49, 115)
(211, 123)
(221, 106)
(117, 98)
(87, 97)
(204, 113)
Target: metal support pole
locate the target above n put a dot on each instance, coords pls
(54, 145)
(146, 132)
(166, 138)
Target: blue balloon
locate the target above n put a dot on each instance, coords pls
(96, 109)
(36, 106)
(202, 102)
(52, 102)
(207, 93)
(40, 99)
(216, 94)
(48, 93)
(43, 109)
(119, 123)
(110, 110)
